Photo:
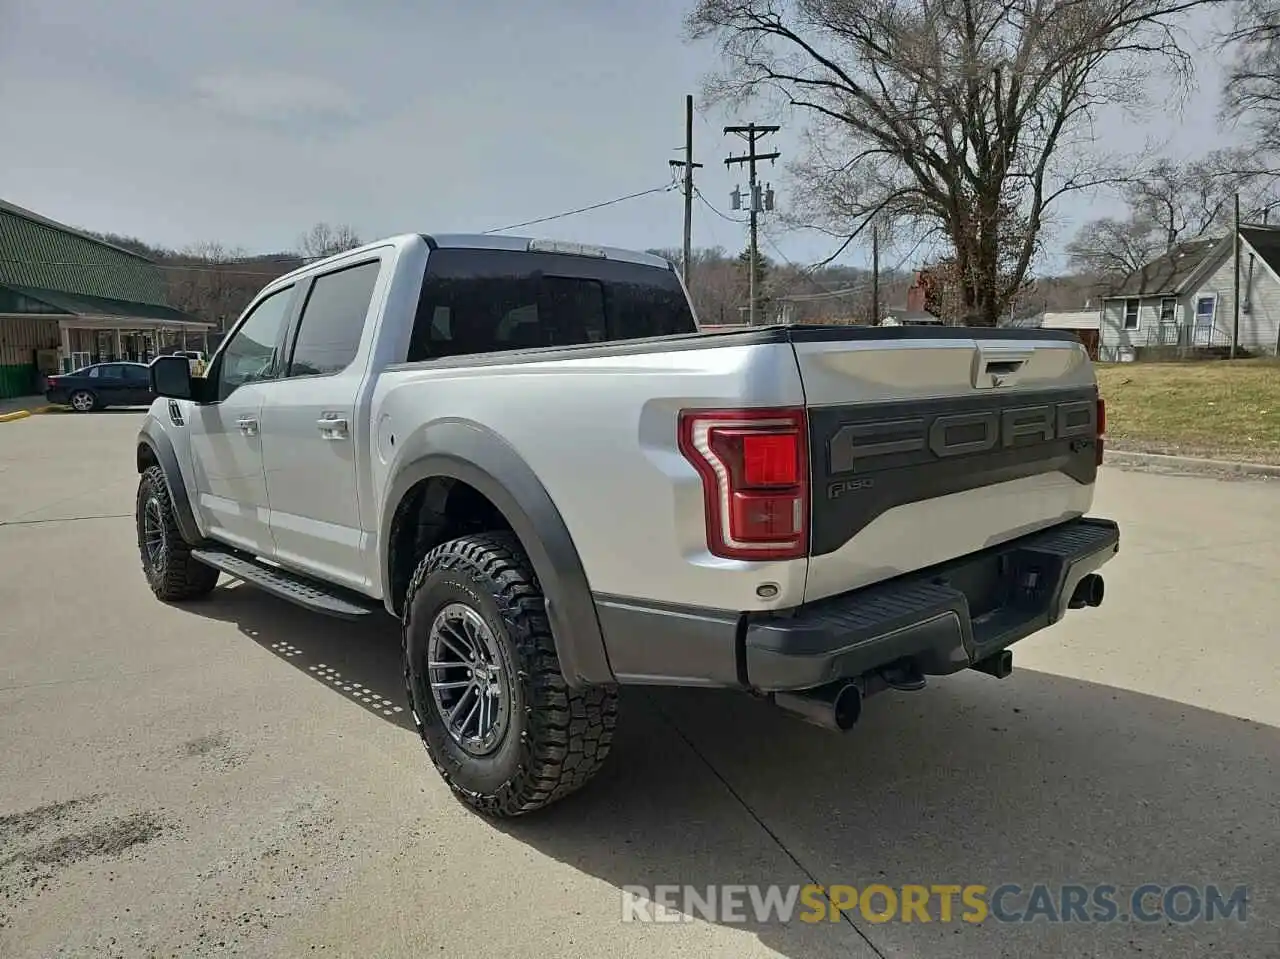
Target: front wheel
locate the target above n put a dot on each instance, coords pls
(498, 720)
(171, 571)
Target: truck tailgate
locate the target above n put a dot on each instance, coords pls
(928, 444)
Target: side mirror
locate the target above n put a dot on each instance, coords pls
(171, 377)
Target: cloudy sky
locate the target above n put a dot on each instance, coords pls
(245, 121)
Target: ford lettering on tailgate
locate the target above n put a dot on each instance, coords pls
(960, 434)
(867, 459)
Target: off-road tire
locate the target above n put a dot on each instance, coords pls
(556, 738)
(179, 576)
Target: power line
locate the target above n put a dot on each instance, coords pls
(806, 271)
(803, 273)
(711, 207)
(860, 287)
(582, 209)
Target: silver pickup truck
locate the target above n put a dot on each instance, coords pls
(528, 453)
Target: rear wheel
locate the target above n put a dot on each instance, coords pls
(82, 401)
(171, 571)
(500, 723)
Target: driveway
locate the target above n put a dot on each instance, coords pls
(240, 777)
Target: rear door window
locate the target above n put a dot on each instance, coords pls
(333, 320)
(485, 301)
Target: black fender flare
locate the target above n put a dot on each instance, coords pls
(477, 456)
(153, 438)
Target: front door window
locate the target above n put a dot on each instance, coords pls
(253, 353)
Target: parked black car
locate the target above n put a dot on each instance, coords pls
(101, 385)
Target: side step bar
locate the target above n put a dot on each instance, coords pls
(301, 590)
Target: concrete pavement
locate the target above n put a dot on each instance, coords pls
(240, 777)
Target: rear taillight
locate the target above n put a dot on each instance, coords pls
(754, 466)
(1102, 428)
(51, 381)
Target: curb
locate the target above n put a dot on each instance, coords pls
(14, 415)
(1187, 464)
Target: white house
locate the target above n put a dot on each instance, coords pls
(1185, 300)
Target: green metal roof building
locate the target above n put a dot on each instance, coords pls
(68, 299)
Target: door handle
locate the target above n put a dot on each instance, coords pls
(248, 425)
(333, 427)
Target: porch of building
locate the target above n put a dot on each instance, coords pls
(44, 332)
(86, 340)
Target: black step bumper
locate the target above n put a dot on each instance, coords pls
(942, 619)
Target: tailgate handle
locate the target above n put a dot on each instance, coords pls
(1003, 367)
(994, 368)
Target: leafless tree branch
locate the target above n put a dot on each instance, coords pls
(325, 240)
(1171, 203)
(1251, 93)
(959, 115)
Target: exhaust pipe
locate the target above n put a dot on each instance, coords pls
(836, 706)
(998, 664)
(1089, 592)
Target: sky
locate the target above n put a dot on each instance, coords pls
(244, 122)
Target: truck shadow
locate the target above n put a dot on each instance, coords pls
(1038, 778)
(359, 660)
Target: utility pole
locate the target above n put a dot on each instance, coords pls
(752, 133)
(875, 274)
(689, 167)
(1235, 245)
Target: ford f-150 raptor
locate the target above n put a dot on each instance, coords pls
(528, 453)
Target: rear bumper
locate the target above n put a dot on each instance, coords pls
(942, 619)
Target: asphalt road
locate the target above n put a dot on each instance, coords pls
(239, 777)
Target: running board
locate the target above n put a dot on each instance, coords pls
(301, 590)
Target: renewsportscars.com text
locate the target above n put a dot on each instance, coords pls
(945, 903)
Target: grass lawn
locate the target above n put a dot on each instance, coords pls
(1221, 409)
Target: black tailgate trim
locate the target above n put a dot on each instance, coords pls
(867, 459)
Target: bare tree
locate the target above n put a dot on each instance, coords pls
(1113, 247)
(325, 240)
(200, 282)
(214, 283)
(1252, 88)
(1191, 200)
(714, 281)
(955, 116)
(1171, 203)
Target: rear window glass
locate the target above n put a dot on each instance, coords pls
(484, 301)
